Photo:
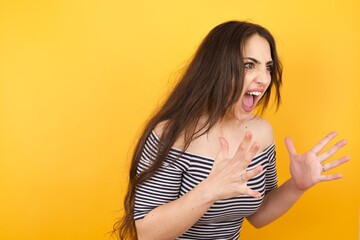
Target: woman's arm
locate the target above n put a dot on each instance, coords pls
(227, 179)
(174, 218)
(306, 170)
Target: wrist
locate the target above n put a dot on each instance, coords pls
(206, 194)
(296, 189)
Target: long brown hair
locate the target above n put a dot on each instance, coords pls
(212, 83)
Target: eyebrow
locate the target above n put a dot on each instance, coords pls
(257, 62)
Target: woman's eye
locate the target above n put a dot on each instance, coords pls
(270, 68)
(249, 65)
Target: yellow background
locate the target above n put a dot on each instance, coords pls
(79, 78)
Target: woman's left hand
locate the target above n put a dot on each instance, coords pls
(306, 169)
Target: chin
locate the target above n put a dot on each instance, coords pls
(243, 116)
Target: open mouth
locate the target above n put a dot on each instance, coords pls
(254, 93)
(250, 99)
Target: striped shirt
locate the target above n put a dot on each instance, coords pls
(181, 172)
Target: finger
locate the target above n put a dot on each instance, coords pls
(250, 192)
(224, 149)
(290, 146)
(250, 155)
(332, 150)
(332, 177)
(322, 143)
(251, 173)
(243, 146)
(335, 163)
(245, 142)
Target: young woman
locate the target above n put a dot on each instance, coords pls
(205, 161)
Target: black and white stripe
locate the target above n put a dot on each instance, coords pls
(181, 173)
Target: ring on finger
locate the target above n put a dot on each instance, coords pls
(323, 168)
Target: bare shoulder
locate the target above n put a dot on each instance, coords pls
(263, 125)
(262, 131)
(159, 129)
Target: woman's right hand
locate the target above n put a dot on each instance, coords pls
(228, 176)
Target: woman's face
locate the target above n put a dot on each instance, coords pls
(258, 65)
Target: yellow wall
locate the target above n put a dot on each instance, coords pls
(79, 78)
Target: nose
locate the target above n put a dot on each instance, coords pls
(263, 76)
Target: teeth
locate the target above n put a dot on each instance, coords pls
(254, 93)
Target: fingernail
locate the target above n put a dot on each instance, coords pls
(256, 146)
(333, 133)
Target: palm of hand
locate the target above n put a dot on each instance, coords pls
(306, 169)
